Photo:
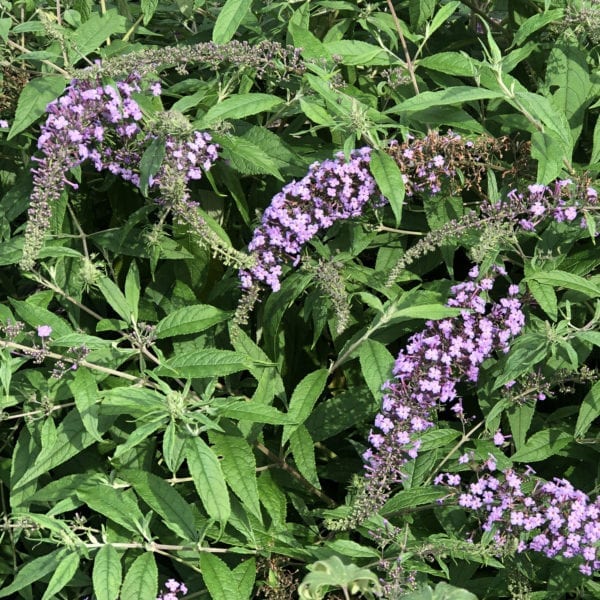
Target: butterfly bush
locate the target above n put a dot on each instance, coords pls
(553, 518)
(331, 191)
(427, 372)
(103, 125)
(342, 188)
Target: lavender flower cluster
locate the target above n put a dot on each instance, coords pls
(75, 130)
(339, 189)
(174, 589)
(561, 201)
(332, 190)
(102, 124)
(427, 372)
(554, 518)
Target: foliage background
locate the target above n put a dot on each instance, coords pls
(189, 445)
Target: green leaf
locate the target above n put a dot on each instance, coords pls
(567, 72)
(433, 312)
(247, 157)
(217, 577)
(356, 405)
(141, 581)
(389, 179)
(114, 296)
(563, 279)
(238, 106)
(148, 9)
(133, 289)
(450, 63)
(548, 150)
(132, 401)
(5, 28)
(355, 52)
(376, 363)
(442, 15)
(36, 315)
(303, 450)
(107, 573)
(244, 576)
(71, 439)
(352, 549)
(268, 376)
(302, 37)
(94, 32)
(595, 158)
(190, 319)
(588, 411)
(138, 435)
(164, 500)
(85, 392)
(519, 419)
(34, 98)
(535, 23)
(592, 337)
(277, 304)
(524, 355)
(442, 591)
(151, 162)
(420, 11)
(63, 573)
(452, 95)
(204, 363)
(545, 296)
(254, 412)
(553, 120)
(437, 438)
(273, 499)
(303, 399)
(117, 505)
(239, 468)
(316, 113)
(173, 447)
(542, 445)
(33, 571)
(230, 17)
(208, 479)
(407, 499)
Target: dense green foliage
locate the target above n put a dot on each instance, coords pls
(165, 415)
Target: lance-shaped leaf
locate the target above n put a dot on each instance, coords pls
(239, 467)
(230, 17)
(64, 572)
(389, 179)
(190, 319)
(141, 581)
(34, 98)
(208, 478)
(33, 571)
(303, 399)
(164, 500)
(205, 363)
(239, 106)
(107, 573)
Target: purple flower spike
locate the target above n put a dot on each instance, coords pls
(103, 124)
(555, 518)
(331, 191)
(426, 374)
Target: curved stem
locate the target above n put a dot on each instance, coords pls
(409, 64)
